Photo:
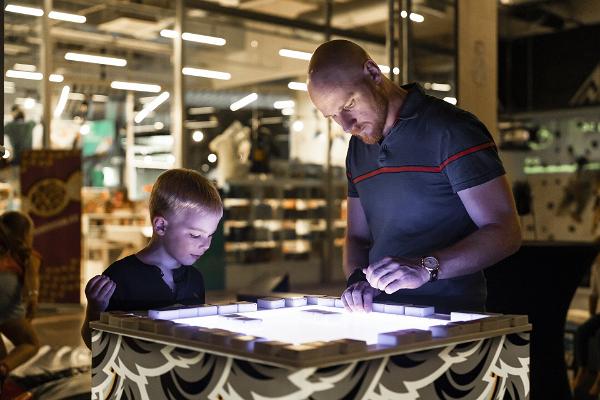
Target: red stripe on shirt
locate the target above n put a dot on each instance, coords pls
(439, 168)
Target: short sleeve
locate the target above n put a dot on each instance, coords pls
(469, 155)
(352, 192)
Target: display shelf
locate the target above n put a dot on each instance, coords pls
(280, 220)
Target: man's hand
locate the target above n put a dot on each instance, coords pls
(31, 308)
(393, 273)
(359, 297)
(98, 292)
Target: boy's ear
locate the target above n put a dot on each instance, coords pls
(159, 224)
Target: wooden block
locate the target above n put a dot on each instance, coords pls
(183, 331)
(296, 301)
(404, 336)
(394, 308)
(104, 317)
(204, 310)
(130, 322)
(448, 330)
(348, 346)
(494, 322)
(222, 337)
(518, 320)
(327, 348)
(300, 352)
(246, 306)
(271, 303)
(115, 319)
(472, 326)
(227, 308)
(164, 327)
(418, 311)
(313, 299)
(147, 324)
(269, 347)
(339, 303)
(244, 342)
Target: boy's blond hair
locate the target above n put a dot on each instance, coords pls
(179, 189)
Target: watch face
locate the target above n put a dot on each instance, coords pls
(431, 263)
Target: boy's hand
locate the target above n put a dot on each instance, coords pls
(98, 292)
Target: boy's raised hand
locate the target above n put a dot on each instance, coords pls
(98, 292)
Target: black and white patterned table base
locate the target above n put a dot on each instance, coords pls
(128, 368)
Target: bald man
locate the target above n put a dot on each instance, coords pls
(429, 205)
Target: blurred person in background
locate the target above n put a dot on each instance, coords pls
(19, 289)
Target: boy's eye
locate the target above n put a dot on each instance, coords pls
(349, 105)
(195, 236)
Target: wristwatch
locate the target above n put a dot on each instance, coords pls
(432, 265)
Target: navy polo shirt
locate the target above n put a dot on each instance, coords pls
(140, 286)
(408, 184)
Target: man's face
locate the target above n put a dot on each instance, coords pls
(188, 234)
(358, 107)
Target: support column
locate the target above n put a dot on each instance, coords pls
(130, 175)
(177, 110)
(328, 256)
(477, 59)
(46, 49)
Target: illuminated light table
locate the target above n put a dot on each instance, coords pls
(314, 350)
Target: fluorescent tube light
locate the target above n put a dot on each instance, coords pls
(36, 76)
(62, 101)
(206, 73)
(139, 117)
(297, 86)
(243, 102)
(36, 12)
(300, 55)
(63, 16)
(194, 37)
(88, 58)
(140, 87)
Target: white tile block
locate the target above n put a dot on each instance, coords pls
(296, 301)
(339, 303)
(170, 313)
(418, 311)
(404, 336)
(206, 310)
(393, 308)
(246, 306)
(327, 301)
(188, 312)
(227, 308)
(378, 307)
(313, 299)
(271, 302)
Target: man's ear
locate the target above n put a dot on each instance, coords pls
(371, 69)
(159, 224)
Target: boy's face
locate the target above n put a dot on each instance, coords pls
(187, 235)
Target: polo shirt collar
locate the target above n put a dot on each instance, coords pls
(413, 101)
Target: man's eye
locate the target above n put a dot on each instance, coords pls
(349, 105)
(195, 236)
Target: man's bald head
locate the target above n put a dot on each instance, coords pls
(336, 61)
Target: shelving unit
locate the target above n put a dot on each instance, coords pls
(274, 223)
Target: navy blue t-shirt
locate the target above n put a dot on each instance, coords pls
(140, 286)
(408, 184)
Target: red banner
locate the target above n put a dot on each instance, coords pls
(51, 195)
